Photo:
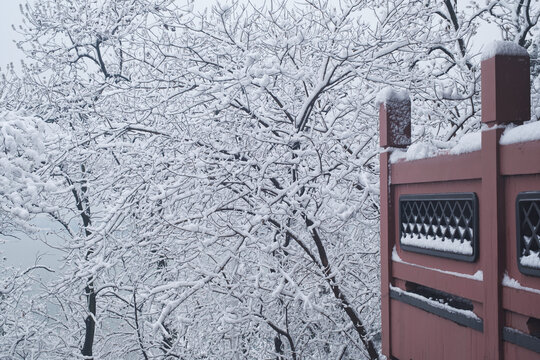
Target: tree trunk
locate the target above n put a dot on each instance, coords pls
(90, 320)
(338, 294)
(83, 205)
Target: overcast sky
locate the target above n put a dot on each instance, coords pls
(9, 15)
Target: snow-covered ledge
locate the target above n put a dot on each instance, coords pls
(504, 48)
(523, 133)
(422, 150)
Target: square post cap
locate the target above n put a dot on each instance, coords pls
(506, 85)
(394, 118)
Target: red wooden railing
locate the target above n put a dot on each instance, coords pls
(500, 318)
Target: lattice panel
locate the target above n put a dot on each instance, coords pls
(443, 225)
(528, 232)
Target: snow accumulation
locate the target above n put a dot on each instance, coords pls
(437, 304)
(400, 113)
(437, 243)
(22, 151)
(507, 48)
(389, 94)
(513, 283)
(468, 143)
(479, 275)
(416, 151)
(522, 133)
(531, 261)
(423, 150)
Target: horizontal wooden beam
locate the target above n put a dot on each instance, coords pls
(520, 159)
(460, 319)
(460, 286)
(518, 338)
(519, 301)
(437, 169)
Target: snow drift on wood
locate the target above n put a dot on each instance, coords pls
(416, 151)
(437, 304)
(423, 150)
(506, 48)
(513, 283)
(478, 275)
(389, 94)
(468, 143)
(521, 133)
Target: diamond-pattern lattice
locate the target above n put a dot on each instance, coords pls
(528, 232)
(439, 217)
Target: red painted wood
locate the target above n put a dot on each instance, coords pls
(395, 124)
(521, 301)
(434, 188)
(514, 352)
(506, 94)
(496, 174)
(513, 186)
(437, 262)
(467, 288)
(521, 158)
(395, 131)
(419, 335)
(441, 168)
(491, 212)
(515, 320)
(387, 238)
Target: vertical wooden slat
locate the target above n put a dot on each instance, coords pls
(492, 243)
(386, 252)
(395, 132)
(505, 99)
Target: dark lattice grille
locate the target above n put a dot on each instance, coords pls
(528, 232)
(440, 224)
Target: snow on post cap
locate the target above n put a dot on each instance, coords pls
(394, 118)
(506, 48)
(389, 94)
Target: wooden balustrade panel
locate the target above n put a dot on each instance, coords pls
(419, 335)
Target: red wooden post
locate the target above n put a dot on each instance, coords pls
(506, 85)
(394, 119)
(395, 132)
(492, 242)
(505, 99)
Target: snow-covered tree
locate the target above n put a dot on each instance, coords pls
(215, 174)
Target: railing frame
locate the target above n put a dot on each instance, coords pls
(494, 174)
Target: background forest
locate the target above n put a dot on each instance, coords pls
(209, 180)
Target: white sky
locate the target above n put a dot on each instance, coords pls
(10, 14)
